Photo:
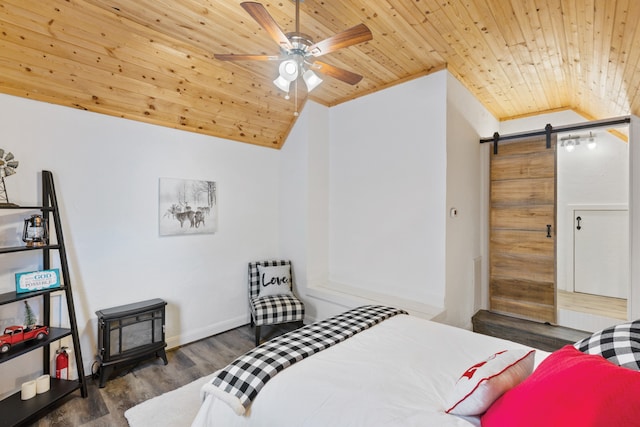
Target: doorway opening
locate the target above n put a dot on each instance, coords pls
(593, 227)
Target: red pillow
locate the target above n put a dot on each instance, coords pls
(570, 388)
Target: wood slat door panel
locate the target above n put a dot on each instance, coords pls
(522, 290)
(522, 256)
(521, 217)
(532, 244)
(523, 309)
(522, 267)
(523, 192)
(535, 165)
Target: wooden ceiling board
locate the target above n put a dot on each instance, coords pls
(626, 60)
(544, 89)
(152, 60)
(617, 65)
(470, 59)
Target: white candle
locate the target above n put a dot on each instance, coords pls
(43, 383)
(28, 390)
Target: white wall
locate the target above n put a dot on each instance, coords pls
(375, 184)
(106, 173)
(634, 220)
(304, 219)
(387, 191)
(467, 121)
(293, 201)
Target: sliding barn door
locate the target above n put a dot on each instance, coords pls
(522, 230)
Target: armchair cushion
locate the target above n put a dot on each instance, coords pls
(274, 309)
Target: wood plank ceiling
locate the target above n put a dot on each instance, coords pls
(152, 60)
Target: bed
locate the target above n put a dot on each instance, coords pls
(403, 371)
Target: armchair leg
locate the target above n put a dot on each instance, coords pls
(257, 335)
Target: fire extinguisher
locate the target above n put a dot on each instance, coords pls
(62, 363)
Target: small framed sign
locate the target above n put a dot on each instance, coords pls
(37, 280)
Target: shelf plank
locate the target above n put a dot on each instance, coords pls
(24, 208)
(19, 349)
(10, 249)
(13, 296)
(16, 411)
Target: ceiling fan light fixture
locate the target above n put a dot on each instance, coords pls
(289, 70)
(311, 79)
(282, 84)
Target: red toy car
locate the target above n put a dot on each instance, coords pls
(17, 334)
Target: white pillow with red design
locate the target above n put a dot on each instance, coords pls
(483, 383)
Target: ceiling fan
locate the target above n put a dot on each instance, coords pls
(298, 52)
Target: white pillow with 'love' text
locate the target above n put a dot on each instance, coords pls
(274, 280)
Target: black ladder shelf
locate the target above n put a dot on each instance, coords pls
(13, 410)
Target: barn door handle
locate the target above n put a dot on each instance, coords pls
(549, 230)
(579, 226)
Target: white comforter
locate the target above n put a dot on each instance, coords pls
(396, 374)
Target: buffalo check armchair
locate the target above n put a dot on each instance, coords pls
(271, 296)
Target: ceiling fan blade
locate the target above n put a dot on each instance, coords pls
(266, 21)
(337, 73)
(354, 35)
(232, 57)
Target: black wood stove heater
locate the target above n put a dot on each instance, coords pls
(130, 333)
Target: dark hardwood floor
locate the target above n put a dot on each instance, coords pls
(132, 385)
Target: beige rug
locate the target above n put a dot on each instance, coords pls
(176, 408)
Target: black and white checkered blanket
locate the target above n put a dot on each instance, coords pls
(239, 383)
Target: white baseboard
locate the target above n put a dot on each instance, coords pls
(206, 331)
(585, 321)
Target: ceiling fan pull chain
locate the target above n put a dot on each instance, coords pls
(295, 94)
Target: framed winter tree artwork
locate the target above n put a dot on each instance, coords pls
(187, 207)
